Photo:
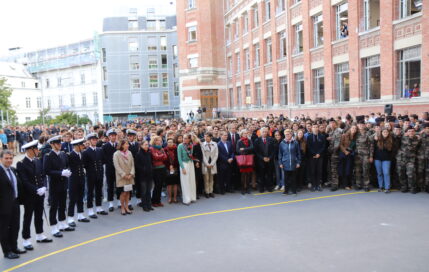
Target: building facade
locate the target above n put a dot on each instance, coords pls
(201, 56)
(26, 98)
(325, 57)
(139, 66)
(70, 78)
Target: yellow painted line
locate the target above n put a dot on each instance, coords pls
(172, 220)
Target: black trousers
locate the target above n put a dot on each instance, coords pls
(145, 189)
(224, 175)
(290, 181)
(111, 182)
(137, 189)
(315, 167)
(33, 206)
(9, 229)
(265, 175)
(58, 205)
(76, 192)
(159, 176)
(91, 184)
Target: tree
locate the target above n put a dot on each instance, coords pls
(70, 118)
(41, 119)
(5, 106)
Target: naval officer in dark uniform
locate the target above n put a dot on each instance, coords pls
(134, 149)
(109, 149)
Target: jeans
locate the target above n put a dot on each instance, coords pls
(280, 179)
(383, 173)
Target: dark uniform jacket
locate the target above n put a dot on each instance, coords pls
(32, 177)
(53, 165)
(7, 194)
(76, 167)
(93, 163)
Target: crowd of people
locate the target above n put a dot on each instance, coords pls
(136, 162)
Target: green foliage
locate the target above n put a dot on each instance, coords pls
(5, 93)
(69, 118)
(39, 120)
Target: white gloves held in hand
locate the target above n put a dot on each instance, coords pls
(66, 173)
(41, 191)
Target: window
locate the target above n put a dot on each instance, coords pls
(60, 101)
(151, 25)
(236, 29)
(193, 62)
(23, 84)
(409, 72)
(192, 34)
(257, 55)
(270, 93)
(175, 51)
(267, 10)
(163, 61)
(228, 34)
(106, 94)
(153, 80)
(371, 14)
(49, 103)
(164, 80)
(133, 25)
(103, 53)
(248, 96)
(133, 44)
(299, 88)
(281, 6)
(230, 67)
(176, 89)
(165, 98)
(83, 99)
(162, 25)
(247, 58)
(36, 85)
(298, 39)
(283, 45)
(269, 47)
(237, 61)
(245, 23)
(47, 83)
(371, 79)
(342, 20)
(239, 98)
(39, 102)
(317, 30)
(153, 62)
(134, 63)
(175, 70)
(28, 102)
(258, 94)
(152, 43)
(319, 86)
(135, 83)
(342, 82)
(283, 91)
(59, 82)
(72, 102)
(409, 7)
(163, 42)
(191, 4)
(104, 74)
(255, 16)
(231, 97)
(82, 78)
(95, 98)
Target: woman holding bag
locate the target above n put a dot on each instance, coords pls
(210, 154)
(245, 148)
(125, 173)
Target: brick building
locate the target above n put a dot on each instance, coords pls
(318, 57)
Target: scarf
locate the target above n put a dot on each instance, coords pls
(124, 154)
(245, 140)
(189, 150)
(157, 147)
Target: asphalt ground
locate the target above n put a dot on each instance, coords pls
(314, 231)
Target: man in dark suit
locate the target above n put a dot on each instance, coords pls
(66, 145)
(316, 145)
(55, 165)
(233, 138)
(109, 149)
(134, 149)
(30, 172)
(10, 193)
(224, 163)
(77, 183)
(265, 152)
(93, 162)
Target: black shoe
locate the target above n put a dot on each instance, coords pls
(334, 188)
(29, 247)
(404, 190)
(68, 229)
(93, 216)
(58, 235)
(19, 251)
(146, 209)
(72, 224)
(261, 191)
(271, 190)
(243, 192)
(207, 195)
(212, 195)
(313, 189)
(84, 220)
(366, 189)
(222, 193)
(140, 205)
(387, 191)
(11, 255)
(151, 209)
(285, 192)
(46, 240)
(130, 208)
(103, 213)
(111, 209)
(414, 191)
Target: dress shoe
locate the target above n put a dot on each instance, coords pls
(270, 190)
(11, 255)
(58, 235)
(160, 205)
(207, 195)
(261, 191)
(46, 240)
(155, 205)
(29, 247)
(212, 195)
(129, 212)
(84, 220)
(68, 229)
(19, 251)
(187, 204)
(103, 213)
(404, 190)
(334, 188)
(414, 191)
(123, 213)
(366, 189)
(93, 216)
(130, 208)
(140, 205)
(72, 224)
(146, 209)
(111, 209)
(152, 209)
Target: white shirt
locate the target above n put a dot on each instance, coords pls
(226, 146)
(14, 181)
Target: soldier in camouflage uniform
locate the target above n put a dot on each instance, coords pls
(406, 161)
(423, 160)
(333, 148)
(397, 136)
(364, 149)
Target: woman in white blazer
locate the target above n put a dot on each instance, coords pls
(210, 154)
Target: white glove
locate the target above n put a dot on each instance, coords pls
(66, 173)
(41, 191)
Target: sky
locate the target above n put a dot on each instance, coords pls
(33, 25)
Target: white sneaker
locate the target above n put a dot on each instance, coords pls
(276, 188)
(282, 188)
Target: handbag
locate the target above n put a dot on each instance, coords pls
(128, 187)
(244, 160)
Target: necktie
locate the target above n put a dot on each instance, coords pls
(9, 172)
(233, 139)
(265, 141)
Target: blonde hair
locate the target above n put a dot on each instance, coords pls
(195, 139)
(154, 139)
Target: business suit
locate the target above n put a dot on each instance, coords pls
(233, 138)
(108, 150)
(316, 144)
(134, 148)
(53, 165)
(66, 147)
(93, 162)
(9, 211)
(224, 167)
(77, 183)
(31, 174)
(264, 148)
(210, 155)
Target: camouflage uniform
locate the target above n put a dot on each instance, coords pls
(423, 163)
(333, 148)
(364, 148)
(393, 168)
(406, 162)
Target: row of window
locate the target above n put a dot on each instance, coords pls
(152, 44)
(153, 99)
(60, 101)
(408, 82)
(151, 25)
(66, 80)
